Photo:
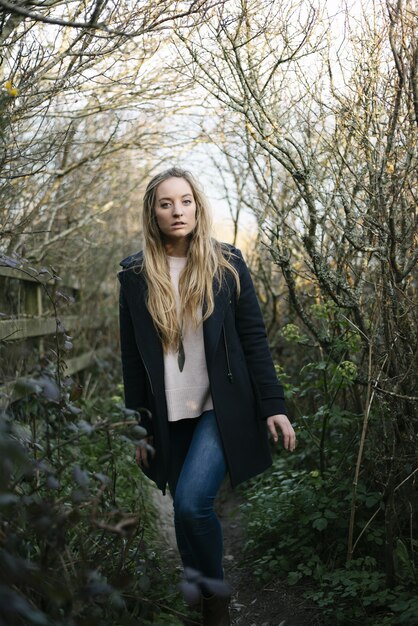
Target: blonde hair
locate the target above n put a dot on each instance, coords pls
(206, 260)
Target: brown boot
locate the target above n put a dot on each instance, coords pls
(195, 619)
(216, 611)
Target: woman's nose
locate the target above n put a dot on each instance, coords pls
(177, 209)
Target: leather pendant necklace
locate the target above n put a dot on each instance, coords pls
(181, 356)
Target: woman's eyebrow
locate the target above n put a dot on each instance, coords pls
(183, 196)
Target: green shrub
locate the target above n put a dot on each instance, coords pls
(299, 514)
(296, 529)
(76, 519)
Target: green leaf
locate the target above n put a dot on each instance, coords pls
(8, 498)
(144, 582)
(293, 578)
(320, 523)
(80, 476)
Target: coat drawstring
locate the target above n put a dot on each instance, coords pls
(230, 377)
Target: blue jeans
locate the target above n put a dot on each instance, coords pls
(197, 470)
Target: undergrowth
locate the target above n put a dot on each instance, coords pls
(77, 526)
(296, 525)
(339, 523)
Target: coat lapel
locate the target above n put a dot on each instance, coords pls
(147, 339)
(212, 327)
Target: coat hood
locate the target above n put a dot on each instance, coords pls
(132, 260)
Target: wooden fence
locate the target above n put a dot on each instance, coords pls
(24, 295)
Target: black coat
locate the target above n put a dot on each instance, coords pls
(243, 383)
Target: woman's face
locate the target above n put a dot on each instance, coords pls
(175, 209)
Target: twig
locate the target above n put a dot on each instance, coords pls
(370, 396)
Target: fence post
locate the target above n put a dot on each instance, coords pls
(39, 312)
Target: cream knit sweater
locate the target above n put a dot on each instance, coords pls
(187, 393)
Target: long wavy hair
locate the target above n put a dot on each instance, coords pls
(206, 260)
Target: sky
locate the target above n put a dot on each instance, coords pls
(198, 159)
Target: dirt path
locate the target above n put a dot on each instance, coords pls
(271, 605)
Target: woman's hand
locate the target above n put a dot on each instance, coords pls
(141, 453)
(289, 437)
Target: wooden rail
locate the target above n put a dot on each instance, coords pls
(32, 323)
(18, 388)
(24, 327)
(33, 277)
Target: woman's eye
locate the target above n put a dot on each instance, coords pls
(187, 201)
(165, 205)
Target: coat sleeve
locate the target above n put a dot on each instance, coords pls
(253, 336)
(133, 371)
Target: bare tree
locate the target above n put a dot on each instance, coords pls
(329, 127)
(83, 99)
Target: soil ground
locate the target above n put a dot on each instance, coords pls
(274, 604)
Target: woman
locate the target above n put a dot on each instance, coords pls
(195, 354)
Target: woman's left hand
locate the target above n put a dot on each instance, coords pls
(289, 437)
